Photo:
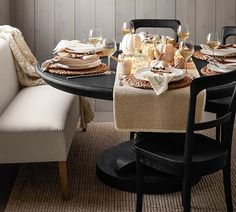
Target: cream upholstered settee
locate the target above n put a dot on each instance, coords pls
(37, 124)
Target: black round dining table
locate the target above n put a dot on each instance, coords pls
(115, 166)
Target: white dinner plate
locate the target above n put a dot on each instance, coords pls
(75, 46)
(219, 69)
(220, 52)
(85, 49)
(81, 66)
(140, 74)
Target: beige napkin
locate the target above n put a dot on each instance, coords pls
(159, 82)
(76, 47)
(88, 61)
(218, 52)
(206, 47)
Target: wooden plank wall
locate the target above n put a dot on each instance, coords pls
(4, 12)
(45, 22)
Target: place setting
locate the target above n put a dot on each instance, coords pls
(221, 58)
(74, 58)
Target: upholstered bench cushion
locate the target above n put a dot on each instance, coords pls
(9, 85)
(38, 119)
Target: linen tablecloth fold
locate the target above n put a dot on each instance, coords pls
(142, 110)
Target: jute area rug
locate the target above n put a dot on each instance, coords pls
(37, 187)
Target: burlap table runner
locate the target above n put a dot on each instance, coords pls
(142, 110)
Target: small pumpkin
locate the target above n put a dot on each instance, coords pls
(148, 49)
(179, 61)
(161, 47)
(169, 53)
(131, 43)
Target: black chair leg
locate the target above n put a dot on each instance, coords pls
(131, 135)
(227, 188)
(218, 129)
(186, 196)
(139, 182)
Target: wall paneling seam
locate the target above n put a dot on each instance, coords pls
(195, 21)
(34, 28)
(74, 21)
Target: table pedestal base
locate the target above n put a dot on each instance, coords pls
(116, 168)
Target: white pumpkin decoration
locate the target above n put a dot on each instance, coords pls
(131, 43)
(148, 49)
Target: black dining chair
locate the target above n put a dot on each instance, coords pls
(218, 98)
(157, 23)
(191, 154)
(226, 32)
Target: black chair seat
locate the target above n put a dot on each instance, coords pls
(158, 151)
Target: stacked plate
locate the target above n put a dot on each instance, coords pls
(75, 58)
(221, 68)
(221, 52)
(225, 54)
(75, 46)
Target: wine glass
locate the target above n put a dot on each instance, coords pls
(131, 25)
(109, 46)
(95, 37)
(127, 27)
(183, 32)
(213, 41)
(186, 49)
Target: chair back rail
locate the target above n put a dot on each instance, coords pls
(196, 87)
(226, 32)
(157, 23)
(191, 154)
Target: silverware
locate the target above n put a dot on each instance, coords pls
(223, 66)
(81, 76)
(73, 77)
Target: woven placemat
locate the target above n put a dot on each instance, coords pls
(207, 72)
(132, 81)
(81, 72)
